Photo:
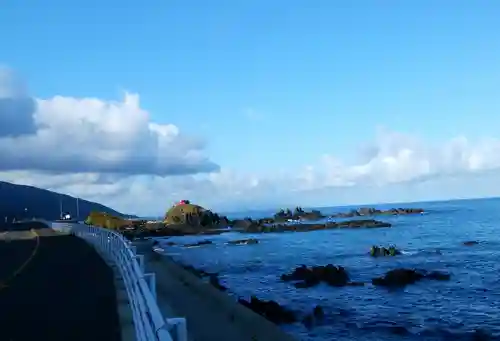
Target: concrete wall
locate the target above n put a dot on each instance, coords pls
(211, 314)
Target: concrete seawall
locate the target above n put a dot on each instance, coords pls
(211, 314)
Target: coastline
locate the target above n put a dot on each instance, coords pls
(211, 314)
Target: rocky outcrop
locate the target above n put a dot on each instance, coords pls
(297, 214)
(243, 241)
(404, 277)
(256, 227)
(192, 215)
(377, 251)
(271, 310)
(305, 277)
(370, 211)
(200, 243)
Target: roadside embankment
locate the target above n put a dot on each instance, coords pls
(210, 313)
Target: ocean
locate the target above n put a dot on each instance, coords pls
(465, 308)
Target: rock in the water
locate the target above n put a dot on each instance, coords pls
(258, 227)
(403, 277)
(470, 243)
(271, 310)
(370, 211)
(243, 241)
(377, 251)
(200, 243)
(308, 277)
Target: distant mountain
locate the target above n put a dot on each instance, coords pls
(20, 201)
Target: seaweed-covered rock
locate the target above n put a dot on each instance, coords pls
(271, 310)
(308, 277)
(402, 277)
(377, 251)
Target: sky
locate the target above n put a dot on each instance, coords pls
(251, 104)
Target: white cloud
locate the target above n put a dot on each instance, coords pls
(113, 153)
(90, 135)
(400, 168)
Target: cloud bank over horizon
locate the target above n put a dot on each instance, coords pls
(112, 152)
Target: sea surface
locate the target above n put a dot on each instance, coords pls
(460, 309)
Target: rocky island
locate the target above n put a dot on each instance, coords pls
(186, 218)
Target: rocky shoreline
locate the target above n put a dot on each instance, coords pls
(297, 220)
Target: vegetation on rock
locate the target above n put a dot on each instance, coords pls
(106, 220)
(192, 215)
(377, 251)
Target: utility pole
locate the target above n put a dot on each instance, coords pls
(60, 208)
(77, 209)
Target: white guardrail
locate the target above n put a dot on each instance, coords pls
(149, 323)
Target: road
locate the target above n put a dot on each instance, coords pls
(53, 287)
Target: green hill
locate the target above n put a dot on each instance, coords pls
(20, 201)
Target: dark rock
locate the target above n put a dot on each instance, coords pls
(470, 243)
(243, 241)
(308, 277)
(370, 211)
(438, 276)
(214, 280)
(297, 214)
(403, 277)
(255, 227)
(366, 223)
(200, 243)
(376, 251)
(271, 310)
(318, 312)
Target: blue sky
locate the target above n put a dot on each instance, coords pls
(271, 84)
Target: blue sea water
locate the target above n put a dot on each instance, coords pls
(428, 310)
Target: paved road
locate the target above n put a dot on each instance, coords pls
(53, 287)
